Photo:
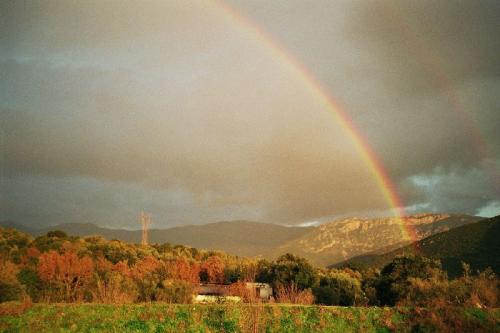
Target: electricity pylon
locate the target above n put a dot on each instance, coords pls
(145, 220)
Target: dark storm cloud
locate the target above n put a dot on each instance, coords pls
(173, 108)
(438, 63)
(414, 39)
(80, 124)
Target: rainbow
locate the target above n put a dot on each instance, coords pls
(364, 150)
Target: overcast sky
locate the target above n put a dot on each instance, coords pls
(174, 107)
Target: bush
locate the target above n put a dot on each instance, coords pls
(394, 282)
(240, 290)
(57, 234)
(176, 291)
(15, 308)
(10, 288)
(32, 283)
(292, 294)
(338, 288)
(112, 287)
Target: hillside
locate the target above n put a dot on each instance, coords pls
(326, 244)
(340, 240)
(243, 238)
(476, 244)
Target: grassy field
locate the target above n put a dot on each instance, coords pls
(159, 317)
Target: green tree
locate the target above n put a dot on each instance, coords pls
(339, 288)
(32, 283)
(395, 281)
(286, 271)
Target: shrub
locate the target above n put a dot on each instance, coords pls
(57, 234)
(112, 287)
(394, 282)
(15, 308)
(176, 291)
(240, 290)
(338, 288)
(10, 288)
(32, 283)
(292, 294)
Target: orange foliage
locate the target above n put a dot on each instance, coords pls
(33, 252)
(292, 294)
(183, 270)
(103, 265)
(8, 272)
(144, 267)
(122, 268)
(15, 308)
(67, 272)
(213, 268)
(247, 294)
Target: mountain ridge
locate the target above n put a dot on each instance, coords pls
(476, 244)
(340, 240)
(323, 245)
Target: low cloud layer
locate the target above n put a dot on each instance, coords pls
(107, 109)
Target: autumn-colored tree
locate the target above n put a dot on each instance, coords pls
(145, 266)
(112, 283)
(185, 271)
(33, 252)
(122, 268)
(66, 273)
(241, 290)
(30, 256)
(292, 294)
(10, 289)
(249, 270)
(145, 274)
(212, 270)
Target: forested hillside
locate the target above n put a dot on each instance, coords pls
(477, 244)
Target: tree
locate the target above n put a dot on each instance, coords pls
(212, 270)
(394, 282)
(10, 288)
(112, 283)
(66, 273)
(264, 272)
(185, 271)
(147, 278)
(57, 234)
(290, 269)
(339, 288)
(13, 243)
(32, 283)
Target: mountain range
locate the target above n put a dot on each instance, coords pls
(323, 245)
(477, 244)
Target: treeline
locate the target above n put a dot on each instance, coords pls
(59, 268)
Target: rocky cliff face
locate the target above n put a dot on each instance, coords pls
(342, 239)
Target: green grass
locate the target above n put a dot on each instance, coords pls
(158, 317)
